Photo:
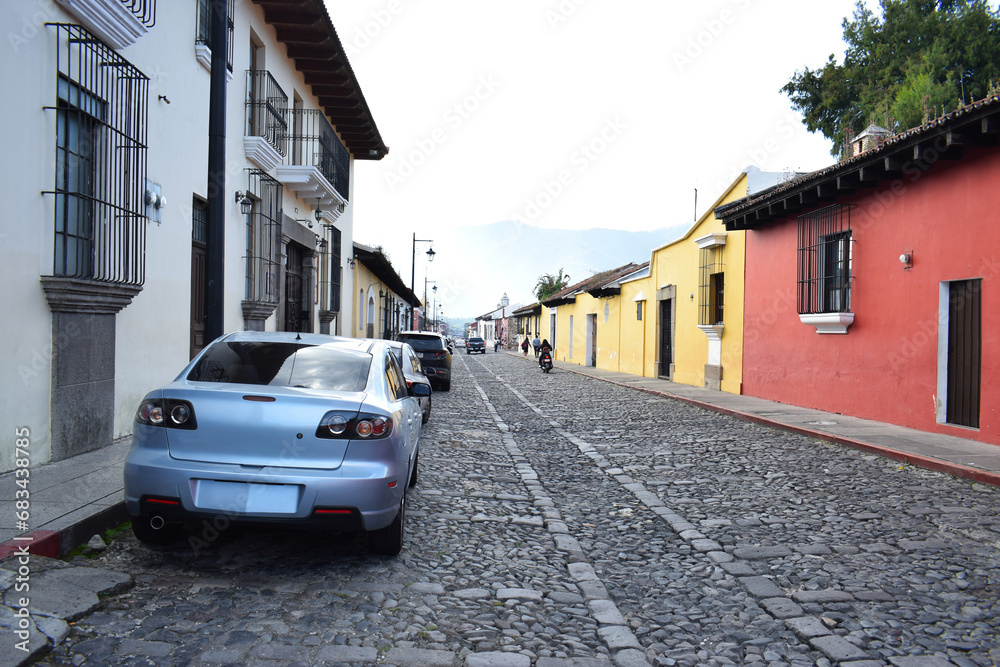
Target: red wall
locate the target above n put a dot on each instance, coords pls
(886, 367)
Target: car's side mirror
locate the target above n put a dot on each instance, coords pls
(419, 389)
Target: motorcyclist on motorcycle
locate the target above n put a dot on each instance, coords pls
(545, 350)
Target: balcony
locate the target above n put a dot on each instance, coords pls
(297, 146)
(317, 166)
(267, 114)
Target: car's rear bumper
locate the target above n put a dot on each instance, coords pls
(355, 496)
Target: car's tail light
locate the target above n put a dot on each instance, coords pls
(341, 425)
(166, 412)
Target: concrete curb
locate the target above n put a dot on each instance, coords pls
(56, 544)
(937, 465)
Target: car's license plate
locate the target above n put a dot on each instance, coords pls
(245, 497)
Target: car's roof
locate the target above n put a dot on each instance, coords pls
(429, 334)
(340, 342)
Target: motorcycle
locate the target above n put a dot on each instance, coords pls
(545, 362)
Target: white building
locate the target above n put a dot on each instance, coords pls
(494, 326)
(112, 217)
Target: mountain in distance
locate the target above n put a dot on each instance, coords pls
(477, 265)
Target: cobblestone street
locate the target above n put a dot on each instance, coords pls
(561, 520)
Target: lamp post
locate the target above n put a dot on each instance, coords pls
(426, 282)
(413, 257)
(434, 310)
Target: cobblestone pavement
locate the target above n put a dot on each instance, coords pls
(560, 520)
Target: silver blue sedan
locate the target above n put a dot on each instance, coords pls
(282, 428)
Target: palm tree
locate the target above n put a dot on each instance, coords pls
(548, 285)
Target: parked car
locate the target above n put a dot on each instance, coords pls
(476, 344)
(297, 430)
(435, 358)
(413, 372)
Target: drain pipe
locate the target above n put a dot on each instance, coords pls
(215, 253)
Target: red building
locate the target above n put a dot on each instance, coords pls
(872, 286)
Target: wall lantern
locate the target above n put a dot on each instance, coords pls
(245, 202)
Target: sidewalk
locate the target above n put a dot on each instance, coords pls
(970, 459)
(69, 501)
(72, 500)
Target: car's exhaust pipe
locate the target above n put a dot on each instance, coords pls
(156, 522)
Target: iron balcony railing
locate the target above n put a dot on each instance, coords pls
(267, 109)
(312, 142)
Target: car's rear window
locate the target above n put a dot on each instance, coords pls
(423, 343)
(283, 365)
(476, 340)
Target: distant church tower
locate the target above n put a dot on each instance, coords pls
(504, 302)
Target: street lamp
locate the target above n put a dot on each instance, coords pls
(434, 309)
(413, 258)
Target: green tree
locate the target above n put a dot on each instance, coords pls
(548, 285)
(920, 58)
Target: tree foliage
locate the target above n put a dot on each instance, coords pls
(548, 285)
(919, 59)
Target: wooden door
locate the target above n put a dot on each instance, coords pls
(964, 351)
(198, 260)
(666, 338)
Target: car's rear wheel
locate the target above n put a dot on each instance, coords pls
(446, 385)
(388, 541)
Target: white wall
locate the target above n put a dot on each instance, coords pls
(153, 331)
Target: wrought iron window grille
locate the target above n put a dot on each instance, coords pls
(263, 238)
(205, 16)
(824, 269)
(711, 286)
(144, 10)
(100, 165)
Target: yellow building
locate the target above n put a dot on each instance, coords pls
(697, 295)
(679, 316)
(384, 304)
(585, 321)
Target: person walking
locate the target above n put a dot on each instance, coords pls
(524, 346)
(536, 344)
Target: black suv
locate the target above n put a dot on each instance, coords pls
(434, 356)
(476, 345)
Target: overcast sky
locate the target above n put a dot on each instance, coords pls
(574, 114)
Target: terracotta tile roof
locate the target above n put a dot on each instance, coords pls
(901, 146)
